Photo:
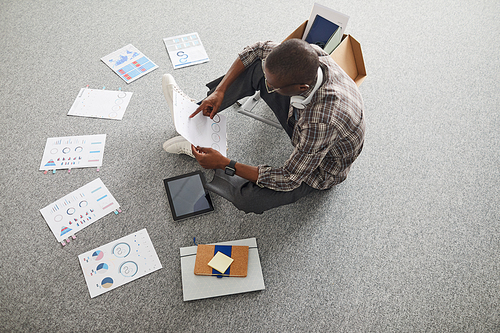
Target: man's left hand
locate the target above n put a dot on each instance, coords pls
(209, 158)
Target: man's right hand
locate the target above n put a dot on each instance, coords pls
(210, 105)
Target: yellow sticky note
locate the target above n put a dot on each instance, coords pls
(220, 262)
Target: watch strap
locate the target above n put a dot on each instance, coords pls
(230, 168)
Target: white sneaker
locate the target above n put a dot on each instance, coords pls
(178, 145)
(168, 85)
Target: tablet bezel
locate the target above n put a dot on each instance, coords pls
(171, 203)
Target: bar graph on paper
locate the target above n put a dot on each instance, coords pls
(79, 209)
(129, 63)
(73, 152)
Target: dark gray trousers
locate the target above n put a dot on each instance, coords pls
(246, 195)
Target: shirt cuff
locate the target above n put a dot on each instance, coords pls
(263, 169)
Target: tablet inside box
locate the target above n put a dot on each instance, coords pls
(187, 195)
(347, 55)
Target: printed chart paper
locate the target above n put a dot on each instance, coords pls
(199, 286)
(98, 103)
(185, 50)
(117, 263)
(79, 209)
(71, 152)
(129, 63)
(199, 130)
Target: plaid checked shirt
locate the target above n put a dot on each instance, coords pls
(328, 135)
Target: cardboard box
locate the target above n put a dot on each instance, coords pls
(347, 55)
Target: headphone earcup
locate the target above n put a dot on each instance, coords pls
(300, 102)
(297, 102)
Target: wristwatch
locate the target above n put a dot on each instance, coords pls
(230, 170)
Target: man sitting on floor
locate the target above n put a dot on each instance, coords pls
(318, 105)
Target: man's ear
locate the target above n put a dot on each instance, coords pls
(303, 87)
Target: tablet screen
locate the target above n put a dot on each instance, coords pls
(187, 196)
(321, 31)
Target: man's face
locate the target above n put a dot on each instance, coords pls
(274, 84)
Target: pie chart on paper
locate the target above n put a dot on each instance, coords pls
(107, 282)
(97, 255)
(102, 268)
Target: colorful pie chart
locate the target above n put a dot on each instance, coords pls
(97, 255)
(102, 268)
(107, 282)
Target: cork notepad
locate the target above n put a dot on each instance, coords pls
(206, 253)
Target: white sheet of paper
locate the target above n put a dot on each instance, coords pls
(79, 209)
(98, 103)
(129, 63)
(331, 15)
(185, 50)
(71, 152)
(199, 286)
(199, 130)
(117, 263)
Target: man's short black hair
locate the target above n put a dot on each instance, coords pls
(294, 61)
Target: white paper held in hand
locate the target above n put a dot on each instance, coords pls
(199, 130)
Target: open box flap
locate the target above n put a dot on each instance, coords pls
(347, 55)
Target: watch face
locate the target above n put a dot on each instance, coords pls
(229, 171)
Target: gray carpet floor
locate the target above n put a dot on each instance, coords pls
(408, 243)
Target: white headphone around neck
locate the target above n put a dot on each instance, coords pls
(299, 102)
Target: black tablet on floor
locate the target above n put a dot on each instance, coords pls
(187, 195)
